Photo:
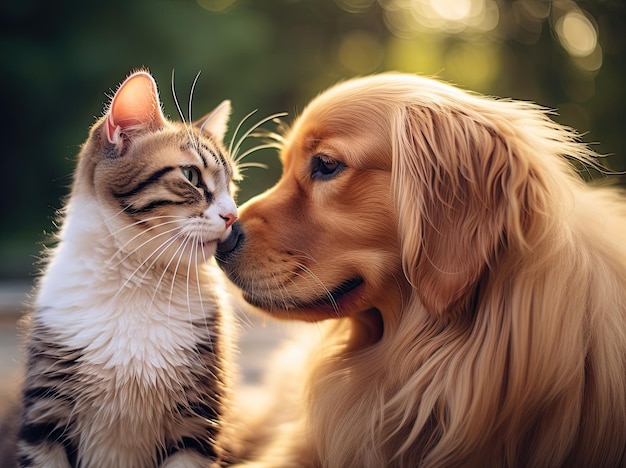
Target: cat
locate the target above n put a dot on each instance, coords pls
(128, 345)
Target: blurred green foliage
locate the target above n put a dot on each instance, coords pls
(60, 61)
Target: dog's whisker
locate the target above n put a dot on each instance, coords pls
(326, 291)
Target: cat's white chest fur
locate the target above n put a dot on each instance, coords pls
(128, 352)
(137, 332)
(139, 323)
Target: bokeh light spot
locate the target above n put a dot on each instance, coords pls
(216, 6)
(355, 6)
(441, 16)
(452, 10)
(577, 34)
(591, 62)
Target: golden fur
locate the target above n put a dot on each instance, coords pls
(490, 325)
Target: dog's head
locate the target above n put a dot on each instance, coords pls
(394, 187)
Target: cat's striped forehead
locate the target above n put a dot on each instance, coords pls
(210, 155)
(183, 147)
(176, 147)
(148, 177)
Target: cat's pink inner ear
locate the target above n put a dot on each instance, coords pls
(135, 106)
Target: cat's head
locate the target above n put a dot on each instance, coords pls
(165, 189)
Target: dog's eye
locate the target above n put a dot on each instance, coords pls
(323, 167)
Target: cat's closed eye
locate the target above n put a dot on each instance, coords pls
(192, 174)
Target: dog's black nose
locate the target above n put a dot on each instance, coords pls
(228, 246)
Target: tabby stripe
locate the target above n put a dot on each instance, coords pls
(208, 150)
(201, 409)
(152, 205)
(223, 161)
(204, 161)
(208, 196)
(154, 177)
(35, 434)
(33, 395)
(207, 348)
(25, 460)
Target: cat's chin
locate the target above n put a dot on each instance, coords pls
(208, 247)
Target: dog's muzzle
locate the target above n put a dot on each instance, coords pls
(227, 249)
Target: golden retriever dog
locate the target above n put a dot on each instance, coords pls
(470, 288)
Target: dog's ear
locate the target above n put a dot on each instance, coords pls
(455, 190)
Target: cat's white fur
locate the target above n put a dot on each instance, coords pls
(131, 331)
(119, 314)
(129, 328)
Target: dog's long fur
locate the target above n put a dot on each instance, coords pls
(490, 326)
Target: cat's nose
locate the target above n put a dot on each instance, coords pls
(229, 218)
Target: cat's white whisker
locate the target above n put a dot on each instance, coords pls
(254, 149)
(197, 240)
(118, 213)
(106, 325)
(180, 111)
(254, 127)
(114, 233)
(202, 264)
(159, 282)
(243, 167)
(161, 249)
(239, 125)
(204, 314)
(181, 247)
(194, 244)
(122, 248)
(274, 136)
(193, 88)
(175, 273)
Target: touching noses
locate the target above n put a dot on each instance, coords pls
(229, 218)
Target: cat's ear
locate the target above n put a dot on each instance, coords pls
(134, 108)
(216, 121)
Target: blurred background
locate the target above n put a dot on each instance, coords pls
(62, 60)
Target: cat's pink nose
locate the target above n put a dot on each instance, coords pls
(230, 218)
